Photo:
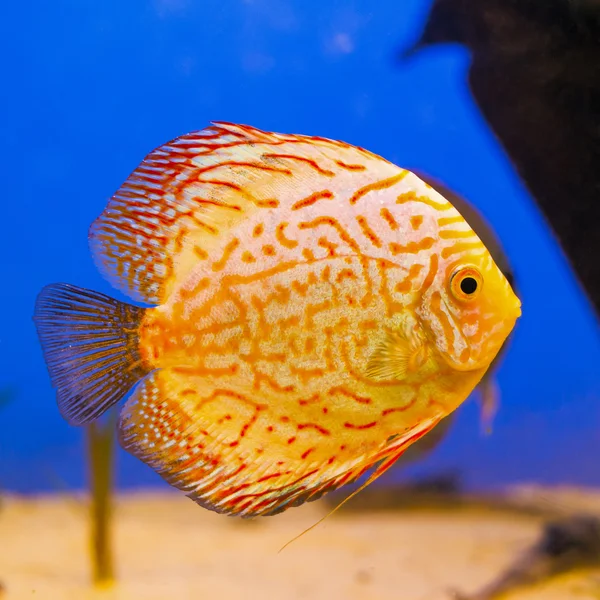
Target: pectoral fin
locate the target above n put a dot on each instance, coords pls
(395, 357)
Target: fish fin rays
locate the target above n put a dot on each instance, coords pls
(394, 357)
(90, 344)
(155, 428)
(390, 359)
(170, 210)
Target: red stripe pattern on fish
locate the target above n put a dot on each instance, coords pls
(316, 309)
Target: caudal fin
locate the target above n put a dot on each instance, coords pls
(90, 344)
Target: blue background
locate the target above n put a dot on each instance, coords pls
(91, 87)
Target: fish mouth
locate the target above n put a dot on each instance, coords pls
(517, 309)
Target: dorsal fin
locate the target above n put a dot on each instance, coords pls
(141, 239)
(172, 209)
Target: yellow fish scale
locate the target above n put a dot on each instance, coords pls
(306, 322)
(280, 351)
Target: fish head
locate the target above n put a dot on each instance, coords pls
(469, 310)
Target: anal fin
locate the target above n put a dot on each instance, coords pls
(173, 426)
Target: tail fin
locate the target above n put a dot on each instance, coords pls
(90, 344)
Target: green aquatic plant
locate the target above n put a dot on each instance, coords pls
(100, 437)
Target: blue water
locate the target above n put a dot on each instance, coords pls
(90, 87)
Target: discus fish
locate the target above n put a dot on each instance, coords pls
(314, 310)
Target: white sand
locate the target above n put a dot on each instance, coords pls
(168, 548)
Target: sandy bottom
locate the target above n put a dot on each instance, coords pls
(168, 548)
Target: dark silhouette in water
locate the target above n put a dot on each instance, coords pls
(565, 545)
(535, 75)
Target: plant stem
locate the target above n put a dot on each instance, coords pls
(100, 439)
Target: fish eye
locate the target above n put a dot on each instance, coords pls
(466, 283)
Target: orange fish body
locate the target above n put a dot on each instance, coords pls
(317, 310)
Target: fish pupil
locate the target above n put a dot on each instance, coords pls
(468, 285)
